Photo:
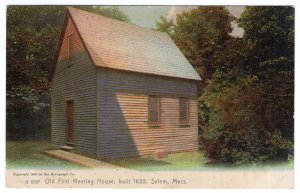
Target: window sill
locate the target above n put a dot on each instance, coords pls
(180, 125)
(184, 125)
(153, 126)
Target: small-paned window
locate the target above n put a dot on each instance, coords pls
(70, 48)
(183, 111)
(154, 110)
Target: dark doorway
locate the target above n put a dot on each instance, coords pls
(70, 121)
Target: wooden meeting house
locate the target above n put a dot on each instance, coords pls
(120, 90)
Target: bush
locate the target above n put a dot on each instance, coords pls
(238, 125)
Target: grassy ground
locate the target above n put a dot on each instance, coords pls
(29, 155)
(179, 161)
(192, 161)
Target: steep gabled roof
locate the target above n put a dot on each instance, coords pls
(119, 45)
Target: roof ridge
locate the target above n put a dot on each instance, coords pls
(120, 22)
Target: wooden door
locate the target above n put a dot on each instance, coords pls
(70, 121)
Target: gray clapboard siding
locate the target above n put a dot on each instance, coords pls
(123, 130)
(76, 82)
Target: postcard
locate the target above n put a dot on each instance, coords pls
(150, 96)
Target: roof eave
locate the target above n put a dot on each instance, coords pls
(151, 74)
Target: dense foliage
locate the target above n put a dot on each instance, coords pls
(202, 35)
(32, 35)
(247, 104)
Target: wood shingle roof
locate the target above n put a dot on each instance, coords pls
(119, 45)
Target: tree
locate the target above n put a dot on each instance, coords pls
(111, 12)
(164, 26)
(202, 34)
(249, 118)
(31, 40)
(271, 48)
(32, 35)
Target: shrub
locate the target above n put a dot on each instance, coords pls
(238, 125)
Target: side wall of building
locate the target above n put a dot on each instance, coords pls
(123, 129)
(74, 81)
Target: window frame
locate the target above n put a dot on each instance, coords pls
(158, 113)
(187, 121)
(70, 48)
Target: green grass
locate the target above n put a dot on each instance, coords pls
(192, 161)
(179, 161)
(29, 155)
